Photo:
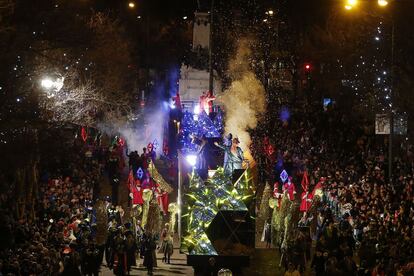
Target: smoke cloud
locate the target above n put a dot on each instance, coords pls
(150, 124)
(244, 101)
(138, 133)
(148, 130)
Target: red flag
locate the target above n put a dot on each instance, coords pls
(84, 134)
(305, 182)
(130, 181)
(177, 101)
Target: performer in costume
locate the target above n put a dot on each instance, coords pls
(206, 102)
(208, 105)
(234, 156)
(227, 142)
(202, 101)
(177, 101)
(162, 199)
(290, 189)
(276, 194)
(136, 193)
(147, 183)
(305, 196)
(317, 190)
(202, 166)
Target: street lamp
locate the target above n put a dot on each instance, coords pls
(382, 3)
(52, 86)
(47, 83)
(270, 12)
(131, 5)
(350, 4)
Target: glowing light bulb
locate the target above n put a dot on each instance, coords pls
(382, 3)
(47, 83)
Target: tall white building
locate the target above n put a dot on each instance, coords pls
(193, 82)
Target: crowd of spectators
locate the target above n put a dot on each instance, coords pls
(62, 237)
(365, 225)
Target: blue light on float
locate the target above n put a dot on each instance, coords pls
(140, 173)
(284, 176)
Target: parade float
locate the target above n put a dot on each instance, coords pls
(216, 212)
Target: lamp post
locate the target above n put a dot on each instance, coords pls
(179, 199)
(210, 52)
(350, 5)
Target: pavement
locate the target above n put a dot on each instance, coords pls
(263, 262)
(178, 266)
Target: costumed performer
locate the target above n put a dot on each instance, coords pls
(318, 189)
(162, 199)
(151, 154)
(234, 154)
(202, 102)
(148, 183)
(306, 198)
(208, 104)
(227, 142)
(289, 188)
(135, 192)
(202, 166)
(277, 195)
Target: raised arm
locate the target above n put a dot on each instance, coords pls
(219, 146)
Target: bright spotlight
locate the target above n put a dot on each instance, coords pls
(382, 3)
(270, 12)
(197, 109)
(47, 83)
(350, 4)
(191, 159)
(131, 5)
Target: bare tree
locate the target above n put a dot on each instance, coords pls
(95, 84)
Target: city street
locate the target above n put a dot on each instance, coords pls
(257, 137)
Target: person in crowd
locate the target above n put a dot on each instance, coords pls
(149, 251)
(360, 212)
(267, 233)
(211, 268)
(164, 238)
(292, 271)
(131, 249)
(168, 248)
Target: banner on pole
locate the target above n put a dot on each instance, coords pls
(382, 124)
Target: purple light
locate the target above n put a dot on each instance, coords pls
(284, 175)
(284, 114)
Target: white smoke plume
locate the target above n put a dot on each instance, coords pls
(244, 101)
(137, 134)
